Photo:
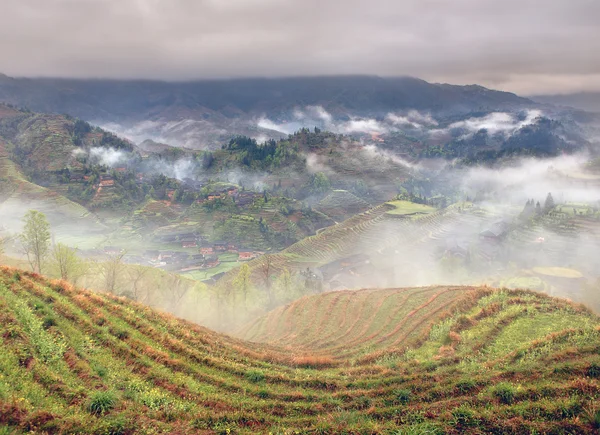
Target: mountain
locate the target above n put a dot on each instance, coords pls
(588, 101)
(492, 361)
(111, 100)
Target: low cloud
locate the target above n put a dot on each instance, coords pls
(497, 122)
(108, 156)
(317, 116)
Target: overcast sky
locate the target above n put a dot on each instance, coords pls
(524, 46)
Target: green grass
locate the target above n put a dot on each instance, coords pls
(559, 272)
(482, 361)
(402, 208)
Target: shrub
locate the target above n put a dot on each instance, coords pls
(505, 392)
(255, 376)
(48, 322)
(592, 415)
(101, 402)
(263, 394)
(593, 370)
(466, 385)
(463, 416)
(403, 396)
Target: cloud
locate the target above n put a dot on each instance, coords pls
(413, 119)
(108, 156)
(311, 116)
(497, 122)
(461, 41)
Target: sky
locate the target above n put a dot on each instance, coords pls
(523, 46)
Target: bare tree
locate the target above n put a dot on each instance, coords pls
(111, 271)
(35, 238)
(136, 274)
(266, 270)
(178, 288)
(243, 283)
(65, 263)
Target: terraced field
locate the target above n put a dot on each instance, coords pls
(374, 232)
(492, 362)
(354, 323)
(341, 204)
(18, 193)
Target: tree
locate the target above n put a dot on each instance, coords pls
(136, 274)
(66, 264)
(265, 271)
(111, 271)
(243, 283)
(549, 203)
(320, 183)
(35, 238)
(285, 287)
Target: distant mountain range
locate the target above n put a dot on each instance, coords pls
(408, 116)
(589, 101)
(110, 100)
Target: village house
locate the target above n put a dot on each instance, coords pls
(231, 247)
(189, 243)
(207, 250)
(245, 198)
(246, 254)
(107, 183)
(220, 246)
(496, 233)
(211, 262)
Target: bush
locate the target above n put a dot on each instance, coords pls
(505, 392)
(255, 376)
(102, 402)
(593, 370)
(48, 322)
(463, 416)
(403, 396)
(466, 385)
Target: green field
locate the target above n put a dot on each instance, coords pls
(490, 362)
(402, 208)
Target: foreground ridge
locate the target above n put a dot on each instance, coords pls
(429, 360)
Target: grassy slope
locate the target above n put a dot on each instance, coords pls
(409, 208)
(77, 362)
(18, 193)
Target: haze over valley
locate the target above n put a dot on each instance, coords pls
(241, 217)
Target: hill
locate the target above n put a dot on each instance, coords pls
(495, 361)
(589, 101)
(113, 100)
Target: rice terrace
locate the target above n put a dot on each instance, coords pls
(299, 218)
(429, 360)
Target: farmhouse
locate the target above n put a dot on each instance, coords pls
(246, 254)
(496, 232)
(220, 246)
(207, 250)
(211, 262)
(107, 183)
(245, 198)
(456, 248)
(188, 243)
